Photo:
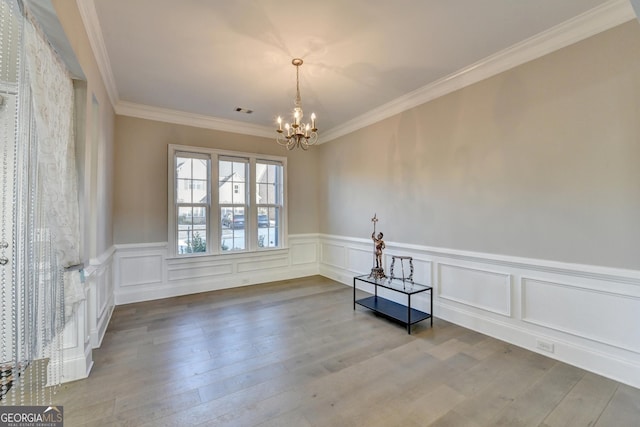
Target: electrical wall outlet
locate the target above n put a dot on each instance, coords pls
(545, 345)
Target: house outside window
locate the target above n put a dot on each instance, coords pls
(225, 202)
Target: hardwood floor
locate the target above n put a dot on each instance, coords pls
(295, 353)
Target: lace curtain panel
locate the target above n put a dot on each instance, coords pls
(52, 95)
(39, 230)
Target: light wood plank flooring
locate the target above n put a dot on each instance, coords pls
(295, 353)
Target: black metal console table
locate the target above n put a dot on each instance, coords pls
(391, 309)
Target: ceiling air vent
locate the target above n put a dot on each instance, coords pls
(244, 110)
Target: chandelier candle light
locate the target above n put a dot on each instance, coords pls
(297, 134)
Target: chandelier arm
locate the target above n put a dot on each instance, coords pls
(282, 140)
(313, 138)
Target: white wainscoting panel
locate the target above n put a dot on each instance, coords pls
(145, 272)
(333, 255)
(597, 315)
(263, 262)
(304, 251)
(482, 289)
(588, 314)
(100, 295)
(359, 259)
(197, 270)
(141, 269)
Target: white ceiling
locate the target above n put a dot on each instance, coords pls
(207, 57)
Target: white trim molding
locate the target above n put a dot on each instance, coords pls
(85, 330)
(100, 295)
(77, 357)
(166, 115)
(579, 314)
(91, 23)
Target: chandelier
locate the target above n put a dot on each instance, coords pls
(297, 134)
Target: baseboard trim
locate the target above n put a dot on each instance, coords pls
(602, 363)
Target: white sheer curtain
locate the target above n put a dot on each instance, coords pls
(39, 232)
(52, 95)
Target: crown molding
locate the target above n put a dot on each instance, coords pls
(141, 111)
(592, 22)
(91, 24)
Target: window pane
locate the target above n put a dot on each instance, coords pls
(233, 229)
(200, 169)
(269, 183)
(232, 182)
(199, 191)
(239, 171)
(268, 227)
(183, 191)
(183, 167)
(267, 194)
(189, 187)
(238, 194)
(192, 229)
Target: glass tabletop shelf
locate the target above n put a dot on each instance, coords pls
(397, 284)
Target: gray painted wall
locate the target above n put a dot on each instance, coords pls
(540, 161)
(140, 179)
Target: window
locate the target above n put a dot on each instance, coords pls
(191, 202)
(269, 202)
(245, 211)
(233, 204)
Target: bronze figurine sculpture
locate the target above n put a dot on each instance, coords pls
(377, 272)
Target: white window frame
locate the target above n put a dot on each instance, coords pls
(233, 206)
(214, 229)
(177, 205)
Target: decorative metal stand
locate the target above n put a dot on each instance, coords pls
(402, 259)
(377, 272)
